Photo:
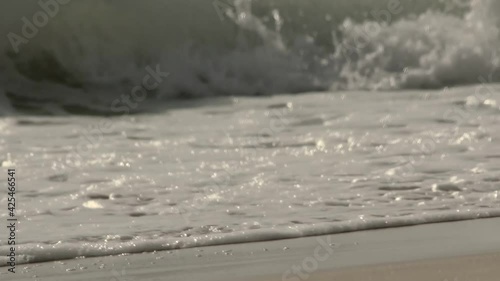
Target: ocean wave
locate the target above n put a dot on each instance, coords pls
(88, 55)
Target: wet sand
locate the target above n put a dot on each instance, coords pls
(480, 267)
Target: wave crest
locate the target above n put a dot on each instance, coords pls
(89, 54)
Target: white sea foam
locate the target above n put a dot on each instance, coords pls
(251, 169)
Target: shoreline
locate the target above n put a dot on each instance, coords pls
(64, 251)
(436, 249)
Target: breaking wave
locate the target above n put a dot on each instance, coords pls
(75, 55)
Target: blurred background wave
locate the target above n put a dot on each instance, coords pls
(91, 52)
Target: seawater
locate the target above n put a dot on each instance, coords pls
(248, 169)
(278, 119)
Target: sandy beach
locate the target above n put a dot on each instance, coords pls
(482, 267)
(466, 250)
